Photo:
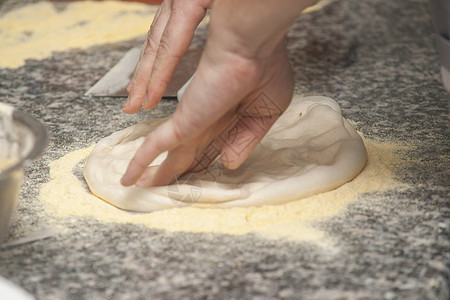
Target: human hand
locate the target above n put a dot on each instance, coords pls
(242, 85)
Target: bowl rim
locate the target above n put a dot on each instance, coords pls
(40, 135)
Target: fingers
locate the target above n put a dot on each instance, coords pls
(179, 158)
(156, 20)
(168, 39)
(181, 145)
(162, 139)
(177, 162)
(138, 85)
(174, 42)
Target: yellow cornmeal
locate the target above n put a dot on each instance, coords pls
(65, 195)
(36, 30)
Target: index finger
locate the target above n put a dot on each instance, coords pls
(138, 84)
(162, 139)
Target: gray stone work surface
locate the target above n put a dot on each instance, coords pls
(375, 57)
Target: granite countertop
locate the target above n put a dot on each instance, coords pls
(375, 57)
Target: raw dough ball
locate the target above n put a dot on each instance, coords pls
(310, 149)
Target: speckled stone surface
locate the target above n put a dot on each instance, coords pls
(375, 57)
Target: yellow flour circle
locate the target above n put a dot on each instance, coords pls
(36, 30)
(66, 195)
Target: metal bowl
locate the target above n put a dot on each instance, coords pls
(22, 139)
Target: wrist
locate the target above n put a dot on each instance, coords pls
(253, 28)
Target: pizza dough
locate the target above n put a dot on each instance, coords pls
(310, 149)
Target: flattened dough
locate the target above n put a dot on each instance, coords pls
(310, 149)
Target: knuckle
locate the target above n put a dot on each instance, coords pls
(187, 125)
(179, 129)
(166, 49)
(150, 146)
(164, 46)
(131, 84)
(156, 85)
(151, 44)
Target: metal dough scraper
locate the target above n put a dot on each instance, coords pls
(115, 81)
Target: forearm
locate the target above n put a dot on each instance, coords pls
(254, 28)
